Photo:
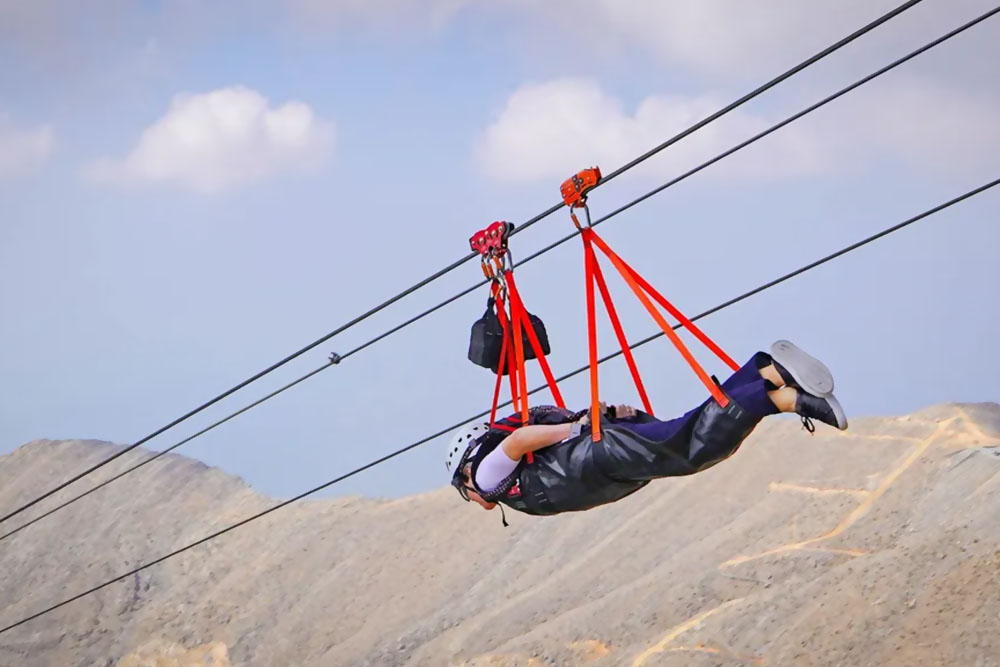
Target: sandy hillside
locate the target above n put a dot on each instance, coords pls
(880, 546)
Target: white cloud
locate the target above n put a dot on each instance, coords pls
(215, 141)
(552, 129)
(930, 124)
(23, 149)
(408, 14)
(724, 37)
(549, 130)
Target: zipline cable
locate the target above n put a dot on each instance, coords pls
(718, 114)
(163, 452)
(527, 259)
(398, 452)
(774, 128)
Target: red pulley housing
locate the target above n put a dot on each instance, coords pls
(492, 241)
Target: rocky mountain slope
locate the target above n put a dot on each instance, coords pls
(879, 546)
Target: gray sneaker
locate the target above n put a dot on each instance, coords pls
(826, 409)
(801, 370)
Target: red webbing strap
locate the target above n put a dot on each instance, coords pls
(511, 369)
(515, 397)
(589, 261)
(517, 305)
(670, 308)
(520, 384)
(496, 388)
(616, 323)
(710, 384)
(522, 379)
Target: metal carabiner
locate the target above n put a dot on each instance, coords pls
(508, 259)
(487, 268)
(576, 221)
(500, 278)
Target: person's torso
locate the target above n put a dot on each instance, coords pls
(566, 477)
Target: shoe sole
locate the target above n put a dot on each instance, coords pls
(809, 373)
(838, 411)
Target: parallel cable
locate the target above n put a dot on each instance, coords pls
(774, 128)
(718, 114)
(527, 259)
(398, 452)
(163, 452)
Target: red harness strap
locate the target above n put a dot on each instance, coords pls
(589, 262)
(669, 307)
(512, 351)
(491, 244)
(512, 372)
(617, 325)
(517, 308)
(629, 277)
(643, 291)
(496, 388)
(506, 355)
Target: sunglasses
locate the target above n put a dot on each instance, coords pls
(458, 481)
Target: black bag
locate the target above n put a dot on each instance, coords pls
(486, 341)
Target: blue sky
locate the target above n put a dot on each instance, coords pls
(141, 275)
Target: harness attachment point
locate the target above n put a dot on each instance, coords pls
(574, 192)
(507, 332)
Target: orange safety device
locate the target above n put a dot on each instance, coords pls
(574, 190)
(646, 294)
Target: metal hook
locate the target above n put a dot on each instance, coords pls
(576, 221)
(508, 259)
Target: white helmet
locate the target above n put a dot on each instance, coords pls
(460, 443)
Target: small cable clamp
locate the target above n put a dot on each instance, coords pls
(335, 358)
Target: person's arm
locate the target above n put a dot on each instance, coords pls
(534, 437)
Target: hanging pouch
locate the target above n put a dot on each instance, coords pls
(543, 338)
(486, 340)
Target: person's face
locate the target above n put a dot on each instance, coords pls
(473, 496)
(476, 498)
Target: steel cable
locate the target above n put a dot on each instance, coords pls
(398, 452)
(718, 114)
(473, 288)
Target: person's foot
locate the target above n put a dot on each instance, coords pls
(826, 409)
(801, 370)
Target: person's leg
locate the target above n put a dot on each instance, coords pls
(761, 398)
(757, 385)
(659, 429)
(746, 384)
(792, 380)
(750, 372)
(762, 390)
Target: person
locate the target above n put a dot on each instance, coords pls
(569, 471)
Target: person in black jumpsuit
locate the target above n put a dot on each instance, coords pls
(572, 472)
